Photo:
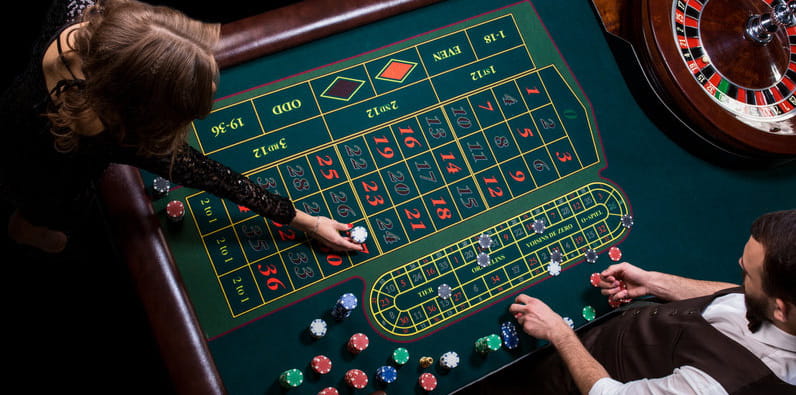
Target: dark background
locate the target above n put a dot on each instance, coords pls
(73, 320)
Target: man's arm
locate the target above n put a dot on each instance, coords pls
(639, 282)
(539, 321)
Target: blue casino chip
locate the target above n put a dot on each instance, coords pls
(345, 304)
(508, 332)
(386, 374)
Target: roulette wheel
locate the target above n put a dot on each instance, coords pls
(724, 69)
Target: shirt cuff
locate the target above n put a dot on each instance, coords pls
(605, 385)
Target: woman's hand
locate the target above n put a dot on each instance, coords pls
(326, 230)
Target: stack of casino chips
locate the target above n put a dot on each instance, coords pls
(508, 333)
(175, 210)
(356, 378)
(386, 374)
(400, 356)
(427, 381)
(345, 304)
(321, 364)
(160, 187)
(291, 378)
(487, 344)
(449, 360)
(358, 343)
(318, 328)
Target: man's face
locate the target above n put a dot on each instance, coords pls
(757, 302)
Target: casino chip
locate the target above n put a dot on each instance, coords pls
(358, 234)
(329, 391)
(488, 343)
(555, 256)
(627, 221)
(160, 187)
(321, 364)
(539, 226)
(594, 279)
(589, 313)
(356, 378)
(345, 304)
(483, 259)
(175, 210)
(508, 333)
(591, 255)
(554, 268)
(318, 328)
(357, 343)
(616, 303)
(427, 381)
(449, 360)
(386, 374)
(291, 378)
(569, 322)
(615, 254)
(444, 291)
(485, 241)
(400, 356)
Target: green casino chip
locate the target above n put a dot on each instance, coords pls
(493, 342)
(291, 378)
(589, 313)
(400, 356)
(488, 343)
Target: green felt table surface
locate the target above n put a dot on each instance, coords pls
(430, 129)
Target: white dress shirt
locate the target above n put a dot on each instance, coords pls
(774, 347)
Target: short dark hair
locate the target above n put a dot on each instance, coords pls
(776, 231)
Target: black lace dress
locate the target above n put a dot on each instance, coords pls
(50, 188)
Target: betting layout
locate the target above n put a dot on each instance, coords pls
(428, 292)
(419, 141)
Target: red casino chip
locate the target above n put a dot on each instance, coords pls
(356, 378)
(328, 391)
(618, 302)
(358, 343)
(175, 210)
(427, 381)
(615, 254)
(595, 279)
(321, 364)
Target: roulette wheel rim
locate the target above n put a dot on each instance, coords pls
(660, 53)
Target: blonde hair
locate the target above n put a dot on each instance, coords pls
(149, 72)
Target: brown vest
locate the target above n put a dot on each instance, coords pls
(651, 341)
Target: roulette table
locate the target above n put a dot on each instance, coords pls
(488, 148)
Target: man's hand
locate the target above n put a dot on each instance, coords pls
(541, 322)
(639, 282)
(538, 320)
(636, 281)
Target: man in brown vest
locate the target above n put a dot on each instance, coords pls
(709, 338)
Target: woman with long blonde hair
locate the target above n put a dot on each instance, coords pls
(118, 81)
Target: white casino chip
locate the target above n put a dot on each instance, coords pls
(318, 328)
(358, 234)
(554, 269)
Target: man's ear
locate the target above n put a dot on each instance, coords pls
(784, 312)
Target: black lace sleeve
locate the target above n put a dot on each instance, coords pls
(192, 169)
